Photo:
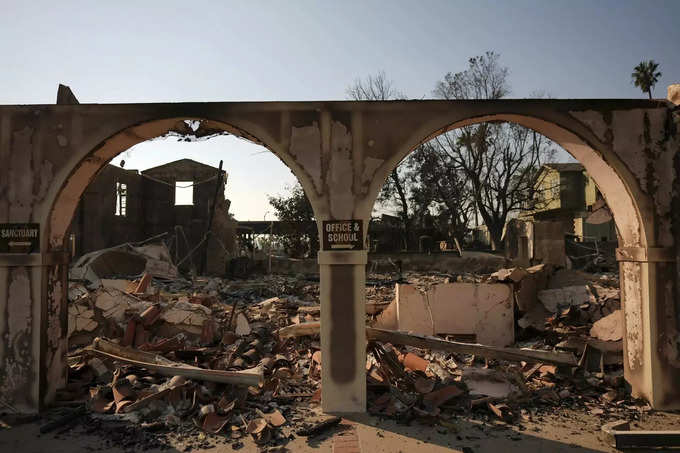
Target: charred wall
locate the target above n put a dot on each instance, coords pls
(151, 210)
(95, 223)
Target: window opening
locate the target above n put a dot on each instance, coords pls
(184, 193)
(121, 199)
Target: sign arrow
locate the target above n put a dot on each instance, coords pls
(16, 244)
(342, 246)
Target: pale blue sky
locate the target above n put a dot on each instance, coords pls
(172, 51)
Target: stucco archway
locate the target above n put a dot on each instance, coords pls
(84, 169)
(633, 214)
(341, 152)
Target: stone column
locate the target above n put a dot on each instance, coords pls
(21, 331)
(343, 331)
(651, 339)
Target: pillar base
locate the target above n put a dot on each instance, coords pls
(343, 331)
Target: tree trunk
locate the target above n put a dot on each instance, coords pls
(404, 207)
(496, 235)
(649, 92)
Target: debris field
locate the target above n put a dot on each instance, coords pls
(158, 355)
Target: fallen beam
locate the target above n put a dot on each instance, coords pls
(300, 330)
(621, 437)
(372, 308)
(425, 342)
(165, 367)
(488, 352)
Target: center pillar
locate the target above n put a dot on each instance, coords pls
(343, 330)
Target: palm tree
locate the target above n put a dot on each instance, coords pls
(645, 76)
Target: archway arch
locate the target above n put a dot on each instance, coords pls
(81, 168)
(91, 161)
(632, 210)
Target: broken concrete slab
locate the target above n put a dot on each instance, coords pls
(387, 319)
(526, 291)
(116, 283)
(81, 318)
(484, 310)
(126, 260)
(114, 303)
(487, 382)
(569, 277)
(604, 293)
(536, 317)
(553, 299)
(609, 328)
(187, 317)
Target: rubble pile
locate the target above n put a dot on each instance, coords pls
(227, 360)
(559, 312)
(154, 353)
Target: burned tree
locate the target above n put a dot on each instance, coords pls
(499, 160)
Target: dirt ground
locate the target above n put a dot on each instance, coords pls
(563, 431)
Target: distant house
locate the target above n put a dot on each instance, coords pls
(176, 198)
(565, 218)
(565, 192)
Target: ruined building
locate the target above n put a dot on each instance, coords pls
(568, 194)
(176, 198)
(566, 204)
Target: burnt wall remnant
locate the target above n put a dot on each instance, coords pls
(134, 206)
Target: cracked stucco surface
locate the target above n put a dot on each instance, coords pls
(302, 140)
(632, 303)
(341, 173)
(17, 370)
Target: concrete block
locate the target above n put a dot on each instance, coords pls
(388, 318)
(609, 328)
(414, 313)
(484, 310)
(526, 293)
